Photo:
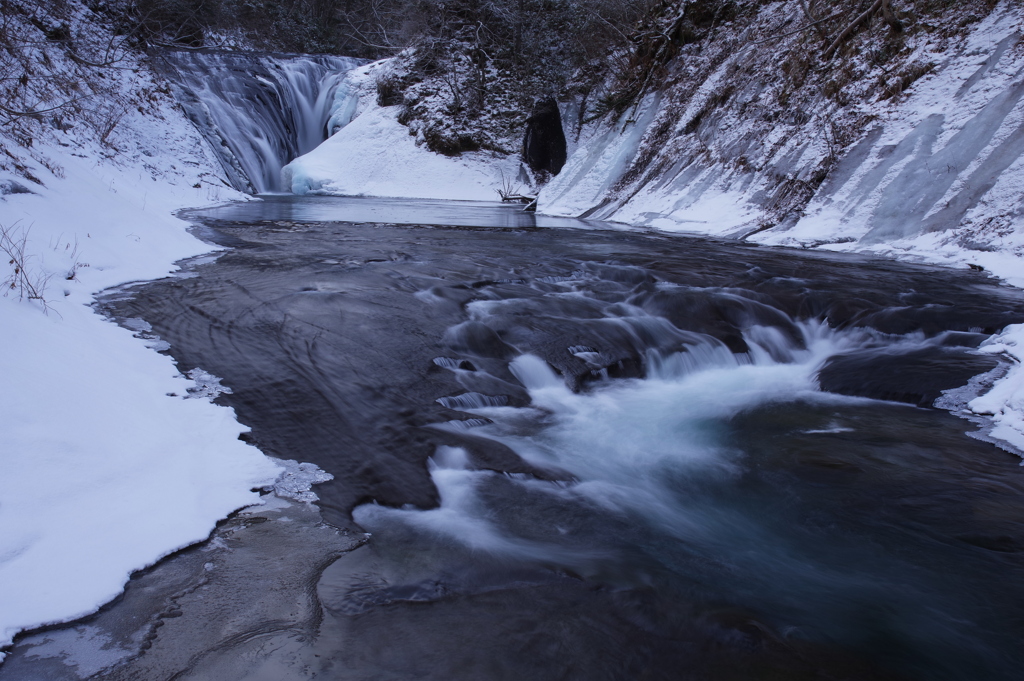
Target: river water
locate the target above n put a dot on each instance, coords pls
(588, 452)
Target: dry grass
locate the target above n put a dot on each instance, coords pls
(25, 281)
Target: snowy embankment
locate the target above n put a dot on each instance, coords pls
(933, 174)
(1004, 403)
(370, 153)
(108, 464)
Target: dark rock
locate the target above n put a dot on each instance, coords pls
(544, 142)
(389, 91)
(917, 377)
(478, 339)
(449, 143)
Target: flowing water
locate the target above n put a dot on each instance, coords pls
(605, 454)
(257, 111)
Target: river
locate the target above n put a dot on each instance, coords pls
(583, 451)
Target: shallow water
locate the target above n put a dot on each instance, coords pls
(601, 454)
(287, 207)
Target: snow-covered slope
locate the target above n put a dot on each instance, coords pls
(371, 154)
(106, 465)
(920, 156)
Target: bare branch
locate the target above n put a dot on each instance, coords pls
(831, 49)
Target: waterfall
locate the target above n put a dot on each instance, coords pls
(258, 111)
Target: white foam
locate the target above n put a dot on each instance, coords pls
(623, 439)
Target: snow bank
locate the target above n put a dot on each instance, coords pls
(939, 179)
(1004, 403)
(372, 154)
(106, 467)
(597, 163)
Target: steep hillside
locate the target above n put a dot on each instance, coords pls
(896, 127)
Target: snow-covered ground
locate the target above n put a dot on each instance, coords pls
(1004, 403)
(372, 154)
(108, 463)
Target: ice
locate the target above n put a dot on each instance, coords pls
(1004, 403)
(207, 386)
(588, 174)
(89, 650)
(345, 105)
(297, 480)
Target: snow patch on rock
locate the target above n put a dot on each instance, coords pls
(1004, 403)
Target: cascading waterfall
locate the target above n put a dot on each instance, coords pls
(628, 444)
(257, 111)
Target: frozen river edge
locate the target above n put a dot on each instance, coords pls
(256, 575)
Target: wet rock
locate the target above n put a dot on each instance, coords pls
(917, 377)
(478, 339)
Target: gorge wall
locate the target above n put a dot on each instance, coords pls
(907, 141)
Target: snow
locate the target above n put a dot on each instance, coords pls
(107, 467)
(372, 154)
(1004, 403)
(936, 176)
(112, 459)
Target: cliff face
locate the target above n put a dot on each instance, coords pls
(904, 133)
